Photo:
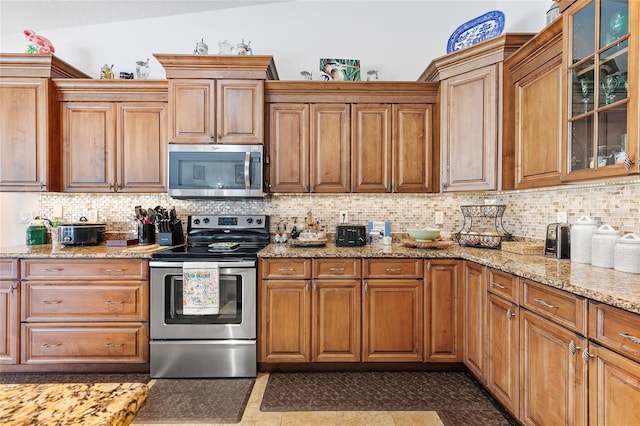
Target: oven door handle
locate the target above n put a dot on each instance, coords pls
(239, 264)
(247, 163)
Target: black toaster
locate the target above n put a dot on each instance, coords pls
(557, 242)
(348, 235)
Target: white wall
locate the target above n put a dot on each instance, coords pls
(12, 232)
(397, 38)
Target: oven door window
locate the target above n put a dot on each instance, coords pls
(230, 311)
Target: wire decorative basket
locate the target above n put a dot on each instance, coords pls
(491, 215)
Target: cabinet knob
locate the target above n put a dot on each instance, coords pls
(510, 314)
(573, 348)
(586, 356)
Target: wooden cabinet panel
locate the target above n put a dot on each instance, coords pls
(192, 111)
(371, 140)
(617, 329)
(285, 268)
(473, 308)
(85, 301)
(289, 147)
(240, 111)
(285, 321)
(330, 148)
(9, 269)
(392, 268)
(85, 343)
(9, 321)
(553, 374)
(337, 268)
(141, 147)
(614, 388)
(84, 269)
(503, 284)
(443, 311)
(88, 146)
(392, 320)
(564, 308)
(502, 368)
(336, 321)
(412, 148)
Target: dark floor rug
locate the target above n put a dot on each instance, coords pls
(74, 378)
(196, 401)
(456, 396)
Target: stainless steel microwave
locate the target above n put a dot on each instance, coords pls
(216, 171)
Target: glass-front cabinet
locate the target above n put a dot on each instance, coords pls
(601, 55)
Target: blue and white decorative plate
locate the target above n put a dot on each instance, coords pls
(476, 30)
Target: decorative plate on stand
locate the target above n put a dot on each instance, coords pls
(476, 30)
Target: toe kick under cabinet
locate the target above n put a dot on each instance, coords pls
(84, 311)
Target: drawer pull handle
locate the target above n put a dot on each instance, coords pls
(495, 284)
(114, 270)
(52, 302)
(113, 302)
(53, 269)
(573, 348)
(393, 270)
(115, 345)
(286, 270)
(545, 304)
(336, 269)
(627, 336)
(50, 345)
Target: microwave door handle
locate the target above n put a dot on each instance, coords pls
(247, 163)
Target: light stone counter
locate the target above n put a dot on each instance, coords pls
(605, 285)
(60, 404)
(61, 251)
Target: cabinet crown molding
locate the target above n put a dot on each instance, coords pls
(218, 66)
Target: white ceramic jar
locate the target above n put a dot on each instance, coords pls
(626, 255)
(582, 231)
(603, 243)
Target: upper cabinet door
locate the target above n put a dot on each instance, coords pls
(469, 130)
(601, 86)
(289, 147)
(330, 148)
(240, 111)
(412, 148)
(192, 115)
(371, 140)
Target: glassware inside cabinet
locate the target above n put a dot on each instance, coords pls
(614, 16)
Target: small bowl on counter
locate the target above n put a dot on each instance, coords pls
(424, 234)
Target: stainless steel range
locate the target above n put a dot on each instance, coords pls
(219, 340)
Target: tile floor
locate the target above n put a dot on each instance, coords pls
(254, 417)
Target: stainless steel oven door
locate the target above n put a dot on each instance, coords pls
(235, 320)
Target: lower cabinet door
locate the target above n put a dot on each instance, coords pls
(85, 343)
(335, 321)
(554, 376)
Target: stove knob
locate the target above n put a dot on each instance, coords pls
(205, 220)
(249, 220)
(259, 221)
(196, 221)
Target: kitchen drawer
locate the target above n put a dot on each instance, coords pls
(85, 343)
(393, 268)
(102, 269)
(285, 268)
(503, 284)
(8, 269)
(337, 268)
(615, 328)
(564, 308)
(85, 301)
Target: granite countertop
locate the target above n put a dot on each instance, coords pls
(62, 251)
(60, 404)
(619, 289)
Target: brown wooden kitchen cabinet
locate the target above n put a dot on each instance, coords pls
(443, 311)
(111, 143)
(502, 342)
(476, 107)
(473, 308)
(29, 123)
(536, 71)
(217, 98)
(9, 306)
(84, 311)
(369, 137)
(392, 310)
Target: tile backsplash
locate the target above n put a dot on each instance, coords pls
(527, 213)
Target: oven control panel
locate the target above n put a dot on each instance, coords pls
(228, 222)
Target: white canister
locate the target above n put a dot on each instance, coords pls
(582, 231)
(603, 243)
(626, 255)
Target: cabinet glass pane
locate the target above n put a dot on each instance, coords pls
(612, 135)
(582, 93)
(614, 17)
(613, 76)
(582, 143)
(584, 32)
